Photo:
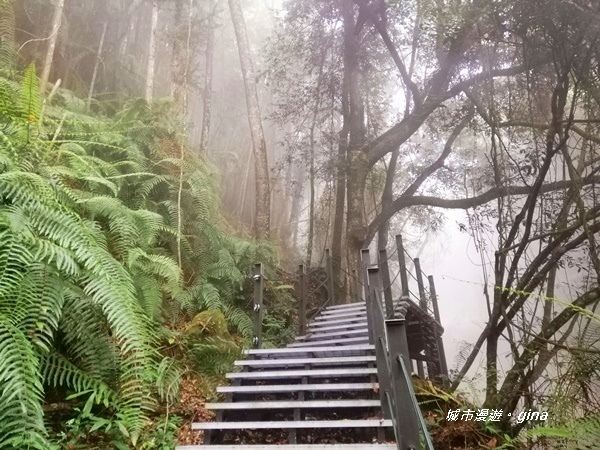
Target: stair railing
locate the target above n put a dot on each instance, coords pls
(257, 310)
(330, 288)
(398, 399)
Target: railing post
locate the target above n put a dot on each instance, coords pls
(422, 295)
(302, 296)
(356, 286)
(436, 312)
(378, 322)
(329, 268)
(387, 283)
(408, 424)
(434, 302)
(365, 261)
(258, 279)
(402, 262)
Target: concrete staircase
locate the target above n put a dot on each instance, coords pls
(321, 392)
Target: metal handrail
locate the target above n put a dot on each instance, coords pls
(415, 404)
(390, 394)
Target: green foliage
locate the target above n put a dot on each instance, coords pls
(92, 299)
(580, 434)
(7, 37)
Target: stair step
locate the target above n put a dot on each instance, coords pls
(334, 312)
(328, 323)
(347, 305)
(295, 447)
(320, 321)
(319, 336)
(353, 340)
(323, 387)
(291, 424)
(343, 315)
(295, 404)
(302, 373)
(348, 326)
(332, 349)
(342, 360)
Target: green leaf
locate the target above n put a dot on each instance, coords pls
(87, 409)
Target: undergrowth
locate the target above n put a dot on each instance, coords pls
(447, 434)
(99, 322)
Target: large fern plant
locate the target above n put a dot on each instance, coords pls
(69, 316)
(91, 295)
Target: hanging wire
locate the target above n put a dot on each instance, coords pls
(389, 257)
(425, 290)
(413, 261)
(341, 269)
(319, 286)
(394, 280)
(320, 309)
(407, 254)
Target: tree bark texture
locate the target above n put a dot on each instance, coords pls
(207, 100)
(350, 177)
(151, 53)
(98, 59)
(56, 20)
(386, 200)
(178, 58)
(262, 222)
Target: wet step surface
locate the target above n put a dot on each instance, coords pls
(321, 392)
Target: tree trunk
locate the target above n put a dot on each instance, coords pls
(178, 60)
(386, 200)
(263, 201)
(354, 122)
(311, 208)
(344, 137)
(95, 74)
(311, 211)
(208, 75)
(292, 228)
(56, 19)
(152, 53)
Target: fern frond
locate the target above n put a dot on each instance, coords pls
(168, 381)
(21, 391)
(29, 101)
(84, 337)
(8, 54)
(58, 371)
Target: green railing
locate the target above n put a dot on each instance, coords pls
(398, 399)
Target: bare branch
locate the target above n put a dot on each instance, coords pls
(469, 202)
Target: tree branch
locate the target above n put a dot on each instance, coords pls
(466, 203)
(439, 163)
(511, 384)
(402, 131)
(382, 30)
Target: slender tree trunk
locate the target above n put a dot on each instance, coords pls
(311, 212)
(386, 200)
(244, 191)
(98, 59)
(263, 201)
(178, 62)
(182, 143)
(56, 20)
(292, 228)
(208, 76)
(311, 208)
(152, 53)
